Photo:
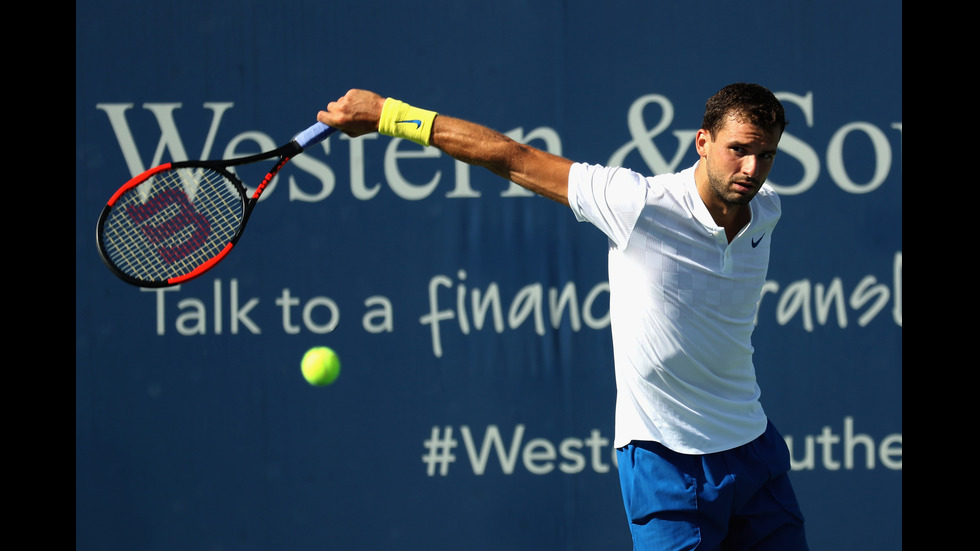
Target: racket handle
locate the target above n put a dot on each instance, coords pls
(314, 135)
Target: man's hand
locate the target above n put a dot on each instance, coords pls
(355, 114)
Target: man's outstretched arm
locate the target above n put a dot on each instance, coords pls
(359, 112)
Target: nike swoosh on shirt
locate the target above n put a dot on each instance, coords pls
(416, 122)
(755, 242)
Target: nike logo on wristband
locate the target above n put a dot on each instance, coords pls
(755, 242)
(416, 122)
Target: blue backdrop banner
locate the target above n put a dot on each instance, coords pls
(475, 405)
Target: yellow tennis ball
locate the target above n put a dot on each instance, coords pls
(320, 366)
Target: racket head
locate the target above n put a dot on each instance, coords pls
(172, 223)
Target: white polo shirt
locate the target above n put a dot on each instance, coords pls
(683, 302)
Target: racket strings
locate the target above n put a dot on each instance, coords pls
(173, 223)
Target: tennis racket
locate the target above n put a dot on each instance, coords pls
(175, 222)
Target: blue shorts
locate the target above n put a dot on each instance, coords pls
(737, 499)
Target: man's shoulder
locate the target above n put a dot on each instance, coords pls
(768, 205)
(768, 194)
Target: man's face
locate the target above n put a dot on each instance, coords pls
(737, 161)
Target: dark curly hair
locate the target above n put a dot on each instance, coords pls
(749, 103)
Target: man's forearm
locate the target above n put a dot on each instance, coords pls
(540, 172)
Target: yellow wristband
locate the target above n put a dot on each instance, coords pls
(401, 120)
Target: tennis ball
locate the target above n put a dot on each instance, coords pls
(320, 366)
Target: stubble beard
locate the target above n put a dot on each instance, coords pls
(722, 188)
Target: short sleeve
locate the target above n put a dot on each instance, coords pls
(611, 198)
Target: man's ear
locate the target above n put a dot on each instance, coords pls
(701, 140)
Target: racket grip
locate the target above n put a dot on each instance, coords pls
(314, 135)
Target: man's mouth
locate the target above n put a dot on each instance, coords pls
(744, 185)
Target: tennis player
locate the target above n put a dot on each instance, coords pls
(701, 466)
